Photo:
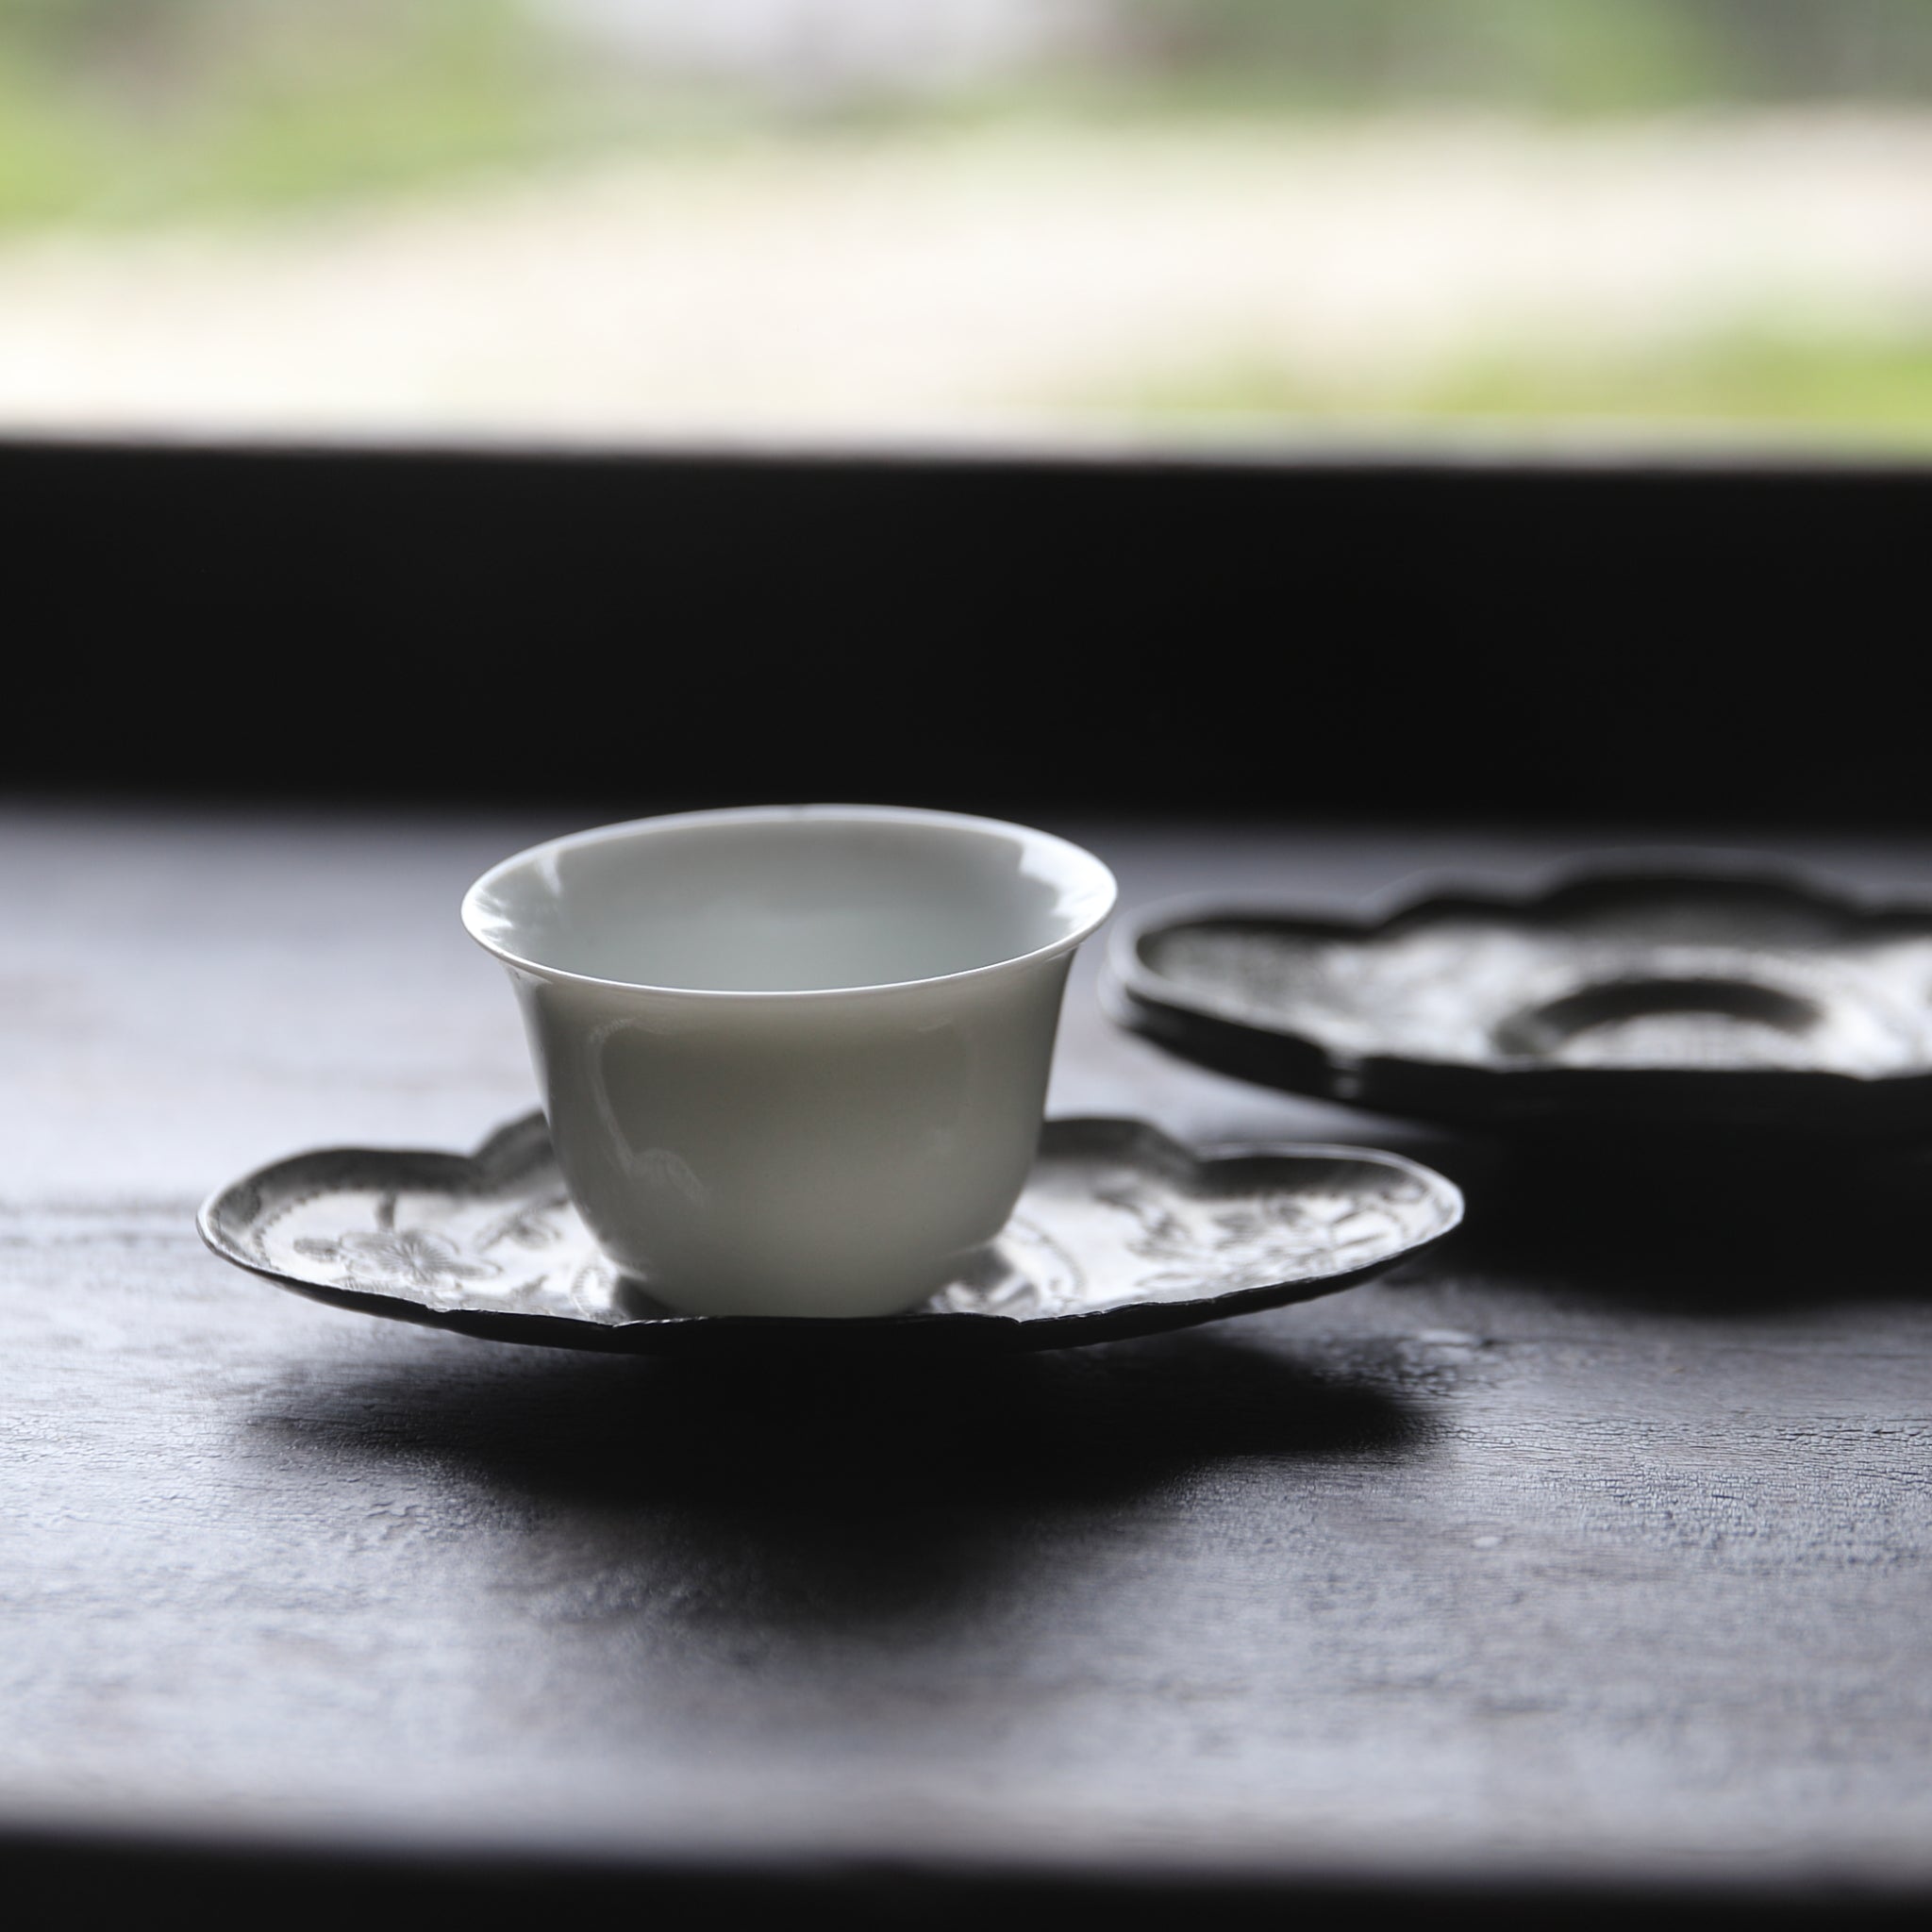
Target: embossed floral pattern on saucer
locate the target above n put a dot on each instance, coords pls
(1120, 1231)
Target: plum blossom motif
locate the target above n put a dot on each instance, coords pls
(1275, 1237)
(388, 1258)
(527, 1225)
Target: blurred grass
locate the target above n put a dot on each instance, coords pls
(119, 113)
(122, 111)
(1540, 57)
(1854, 385)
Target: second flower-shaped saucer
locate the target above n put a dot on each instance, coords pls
(1679, 1001)
(1119, 1232)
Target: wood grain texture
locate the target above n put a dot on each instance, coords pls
(1597, 1550)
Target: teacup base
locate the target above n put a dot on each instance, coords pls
(775, 1297)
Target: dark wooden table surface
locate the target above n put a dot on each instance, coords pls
(1590, 1555)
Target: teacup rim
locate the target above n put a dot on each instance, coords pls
(1104, 879)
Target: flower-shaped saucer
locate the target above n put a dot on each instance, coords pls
(1119, 1232)
(1677, 1001)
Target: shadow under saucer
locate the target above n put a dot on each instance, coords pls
(810, 1493)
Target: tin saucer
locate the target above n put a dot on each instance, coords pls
(1119, 1232)
(1680, 1001)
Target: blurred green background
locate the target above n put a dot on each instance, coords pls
(126, 111)
(128, 117)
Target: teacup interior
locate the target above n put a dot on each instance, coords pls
(798, 901)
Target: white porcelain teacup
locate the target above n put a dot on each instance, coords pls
(795, 1058)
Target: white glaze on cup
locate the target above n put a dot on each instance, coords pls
(795, 1058)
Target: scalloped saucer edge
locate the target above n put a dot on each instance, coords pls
(1119, 1232)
